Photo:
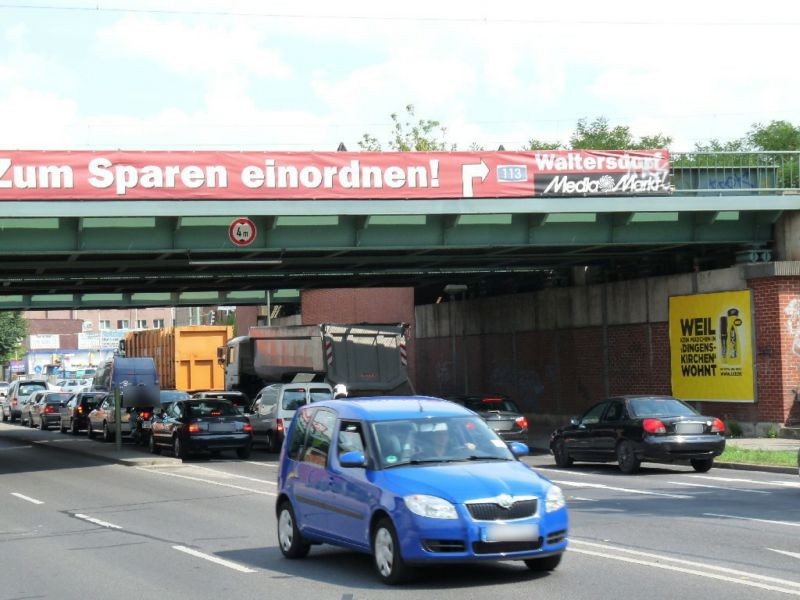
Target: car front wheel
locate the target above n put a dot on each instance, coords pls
(560, 454)
(389, 563)
(178, 449)
(151, 444)
(290, 541)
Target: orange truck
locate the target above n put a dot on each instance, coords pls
(185, 357)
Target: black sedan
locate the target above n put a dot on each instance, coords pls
(632, 429)
(73, 416)
(201, 425)
(500, 413)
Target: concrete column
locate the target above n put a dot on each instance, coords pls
(787, 236)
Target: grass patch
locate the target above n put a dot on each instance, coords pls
(779, 458)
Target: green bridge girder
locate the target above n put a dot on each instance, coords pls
(141, 253)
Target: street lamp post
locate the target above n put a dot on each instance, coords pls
(452, 290)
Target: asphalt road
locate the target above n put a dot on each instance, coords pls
(75, 527)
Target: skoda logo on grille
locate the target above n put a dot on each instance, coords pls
(505, 501)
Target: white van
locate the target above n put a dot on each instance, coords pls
(274, 407)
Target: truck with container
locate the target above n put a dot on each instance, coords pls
(185, 357)
(369, 359)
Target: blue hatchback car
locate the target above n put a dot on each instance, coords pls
(413, 480)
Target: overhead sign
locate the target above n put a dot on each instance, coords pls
(711, 347)
(130, 175)
(44, 342)
(242, 231)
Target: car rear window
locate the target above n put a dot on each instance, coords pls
(294, 399)
(57, 397)
(320, 394)
(211, 408)
(484, 403)
(660, 407)
(26, 389)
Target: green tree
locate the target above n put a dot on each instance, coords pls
(410, 135)
(777, 136)
(598, 135)
(534, 144)
(13, 327)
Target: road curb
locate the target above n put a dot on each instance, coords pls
(763, 468)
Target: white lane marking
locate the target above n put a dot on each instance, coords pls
(236, 476)
(97, 521)
(209, 481)
(730, 479)
(719, 487)
(793, 484)
(251, 462)
(583, 499)
(214, 559)
(27, 498)
(792, 554)
(619, 489)
(723, 574)
(580, 473)
(787, 523)
(16, 447)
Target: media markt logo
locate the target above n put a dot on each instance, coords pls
(636, 183)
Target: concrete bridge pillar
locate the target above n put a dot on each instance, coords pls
(787, 236)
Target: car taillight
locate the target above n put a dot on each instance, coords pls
(144, 414)
(80, 410)
(279, 425)
(522, 422)
(49, 408)
(194, 428)
(14, 401)
(653, 426)
(718, 426)
(247, 427)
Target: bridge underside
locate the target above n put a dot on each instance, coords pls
(131, 259)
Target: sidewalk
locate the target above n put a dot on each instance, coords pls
(539, 443)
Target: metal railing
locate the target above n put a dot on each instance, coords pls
(728, 173)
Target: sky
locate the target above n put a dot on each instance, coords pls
(307, 75)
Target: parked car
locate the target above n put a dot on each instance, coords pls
(632, 429)
(144, 419)
(17, 396)
(74, 385)
(238, 399)
(74, 415)
(201, 425)
(102, 418)
(274, 408)
(413, 480)
(45, 408)
(500, 413)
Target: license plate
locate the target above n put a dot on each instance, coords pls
(689, 428)
(221, 427)
(509, 532)
(146, 424)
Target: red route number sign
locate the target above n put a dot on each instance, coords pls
(242, 231)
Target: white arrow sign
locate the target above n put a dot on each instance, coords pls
(470, 172)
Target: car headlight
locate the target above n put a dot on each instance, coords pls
(430, 506)
(554, 499)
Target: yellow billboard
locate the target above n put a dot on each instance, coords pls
(711, 347)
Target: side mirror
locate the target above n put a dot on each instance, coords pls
(353, 459)
(575, 421)
(518, 448)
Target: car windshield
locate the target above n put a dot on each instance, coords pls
(440, 439)
(489, 403)
(660, 407)
(211, 408)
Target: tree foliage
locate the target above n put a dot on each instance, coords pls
(13, 327)
(534, 144)
(411, 134)
(598, 135)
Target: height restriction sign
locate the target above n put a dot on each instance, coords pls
(242, 231)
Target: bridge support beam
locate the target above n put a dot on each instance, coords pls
(787, 236)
